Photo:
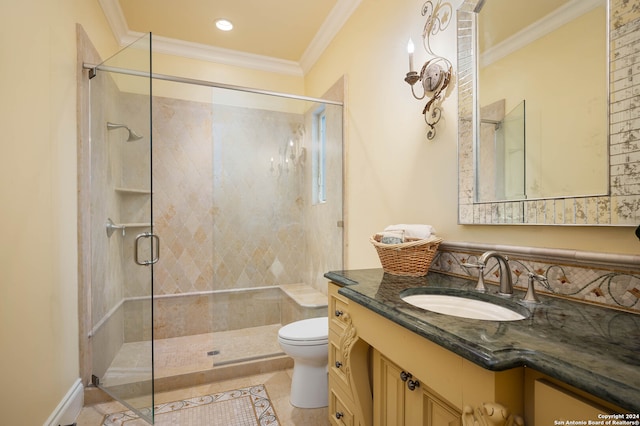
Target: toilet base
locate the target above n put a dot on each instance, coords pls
(309, 385)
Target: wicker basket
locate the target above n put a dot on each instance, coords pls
(411, 258)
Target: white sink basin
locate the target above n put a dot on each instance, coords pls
(462, 307)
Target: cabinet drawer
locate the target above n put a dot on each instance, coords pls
(336, 361)
(339, 413)
(338, 313)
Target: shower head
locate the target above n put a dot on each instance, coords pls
(133, 136)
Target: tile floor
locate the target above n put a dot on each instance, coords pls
(278, 384)
(188, 373)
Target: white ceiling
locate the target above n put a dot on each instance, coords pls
(284, 36)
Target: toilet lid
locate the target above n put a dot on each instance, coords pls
(313, 329)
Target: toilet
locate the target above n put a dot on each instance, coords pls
(306, 341)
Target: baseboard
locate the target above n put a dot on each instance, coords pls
(69, 408)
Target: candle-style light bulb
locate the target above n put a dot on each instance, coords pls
(410, 50)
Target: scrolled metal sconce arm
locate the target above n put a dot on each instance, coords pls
(436, 72)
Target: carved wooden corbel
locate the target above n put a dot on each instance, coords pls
(490, 414)
(348, 339)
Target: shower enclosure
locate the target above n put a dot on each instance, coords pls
(209, 203)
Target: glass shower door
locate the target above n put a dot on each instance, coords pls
(123, 247)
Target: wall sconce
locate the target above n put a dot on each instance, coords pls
(436, 72)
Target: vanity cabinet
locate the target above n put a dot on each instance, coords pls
(367, 354)
(400, 398)
(375, 355)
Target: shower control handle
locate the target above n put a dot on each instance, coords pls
(155, 249)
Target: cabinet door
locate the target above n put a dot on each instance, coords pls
(438, 413)
(388, 393)
(423, 407)
(398, 404)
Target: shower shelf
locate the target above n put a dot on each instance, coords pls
(122, 190)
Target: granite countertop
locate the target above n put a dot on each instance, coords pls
(593, 348)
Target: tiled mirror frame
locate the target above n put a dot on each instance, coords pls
(621, 207)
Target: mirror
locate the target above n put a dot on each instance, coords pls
(515, 200)
(550, 55)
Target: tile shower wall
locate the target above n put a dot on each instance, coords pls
(182, 195)
(106, 267)
(225, 220)
(257, 210)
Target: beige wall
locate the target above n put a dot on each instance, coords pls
(38, 252)
(394, 173)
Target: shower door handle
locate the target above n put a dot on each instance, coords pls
(155, 249)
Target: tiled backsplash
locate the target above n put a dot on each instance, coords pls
(606, 279)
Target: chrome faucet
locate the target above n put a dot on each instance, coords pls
(506, 283)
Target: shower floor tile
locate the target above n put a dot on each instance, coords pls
(187, 354)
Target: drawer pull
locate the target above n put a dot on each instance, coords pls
(339, 313)
(339, 415)
(413, 384)
(338, 364)
(404, 376)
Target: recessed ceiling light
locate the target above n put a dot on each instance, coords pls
(224, 25)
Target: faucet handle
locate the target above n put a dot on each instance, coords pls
(480, 266)
(531, 292)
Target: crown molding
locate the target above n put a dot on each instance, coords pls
(540, 28)
(334, 22)
(336, 19)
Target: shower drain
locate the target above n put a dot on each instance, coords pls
(212, 353)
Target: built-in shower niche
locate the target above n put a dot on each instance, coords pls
(134, 203)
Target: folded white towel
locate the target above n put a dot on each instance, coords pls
(413, 231)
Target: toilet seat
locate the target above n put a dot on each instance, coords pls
(313, 331)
